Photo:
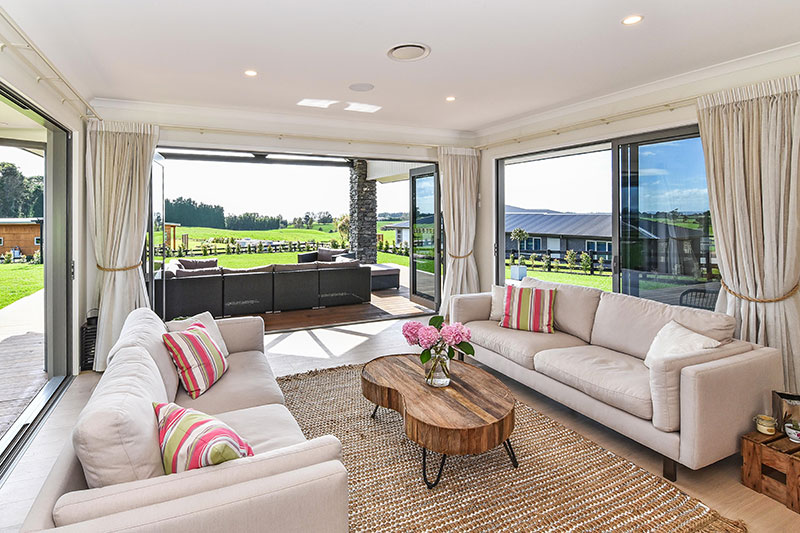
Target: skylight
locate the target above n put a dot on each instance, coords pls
(362, 108)
(315, 102)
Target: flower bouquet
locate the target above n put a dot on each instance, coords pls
(439, 342)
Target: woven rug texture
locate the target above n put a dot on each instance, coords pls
(564, 482)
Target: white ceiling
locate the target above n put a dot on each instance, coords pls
(502, 59)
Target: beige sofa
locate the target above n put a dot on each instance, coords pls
(691, 409)
(290, 484)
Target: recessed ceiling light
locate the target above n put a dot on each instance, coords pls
(632, 19)
(362, 108)
(314, 102)
(361, 87)
(250, 73)
(409, 52)
(451, 98)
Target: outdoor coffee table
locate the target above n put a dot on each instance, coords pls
(472, 415)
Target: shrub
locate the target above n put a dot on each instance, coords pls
(204, 249)
(556, 264)
(600, 261)
(249, 248)
(228, 248)
(6, 257)
(37, 257)
(334, 243)
(586, 262)
(571, 258)
(260, 247)
(238, 248)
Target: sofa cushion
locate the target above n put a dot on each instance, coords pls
(528, 309)
(345, 263)
(197, 272)
(190, 439)
(193, 264)
(516, 345)
(614, 378)
(643, 319)
(199, 360)
(674, 339)
(290, 267)
(574, 308)
(262, 268)
(116, 435)
(498, 299)
(328, 254)
(143, 328)
(248, 382)
(266, 427)
(208, 321)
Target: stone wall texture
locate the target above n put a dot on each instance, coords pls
(363, 214)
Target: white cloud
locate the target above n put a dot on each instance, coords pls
(653, 172)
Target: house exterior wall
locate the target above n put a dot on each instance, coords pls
(20, 235)
(556, 243)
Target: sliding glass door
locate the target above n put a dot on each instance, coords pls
(427, 243)
(666, 236)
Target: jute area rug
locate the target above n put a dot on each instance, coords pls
(564, 482)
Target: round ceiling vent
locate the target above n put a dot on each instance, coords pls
(408, 52)
(361, 87)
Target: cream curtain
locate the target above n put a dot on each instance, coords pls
(118, 160)
(751, 138)
(458, 170)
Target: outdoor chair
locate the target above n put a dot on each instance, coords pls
(699, 298)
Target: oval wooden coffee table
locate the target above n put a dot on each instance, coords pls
(472, 415)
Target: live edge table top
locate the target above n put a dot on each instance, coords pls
(472, 415)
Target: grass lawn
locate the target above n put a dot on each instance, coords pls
(389, 234)
(602, 282)
(281, 258)
(321, 232)
(18, 280)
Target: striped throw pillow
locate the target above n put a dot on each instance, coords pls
(190, 439)
(528, 309)
(199, 359)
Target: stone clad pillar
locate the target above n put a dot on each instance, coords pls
(363, 214)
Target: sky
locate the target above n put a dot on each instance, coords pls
(671, 176)
(288, 190)
(28, 163)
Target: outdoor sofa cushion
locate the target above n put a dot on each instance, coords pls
(248, 382)
(574, 307)
(197, 272)
(262, 268)
(116, 435)
(516, 345)
(643, 319)
(329, 254)
(291, 267)
(193, 264)
(614, 378)
(330, 265)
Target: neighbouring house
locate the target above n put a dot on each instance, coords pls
(22, 233)
(557, 231)
(401, 229)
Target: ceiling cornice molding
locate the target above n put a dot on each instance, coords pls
(659, 92)
(211, 118)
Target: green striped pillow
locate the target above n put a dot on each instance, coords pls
(528, 309)
(190, 439)
(199, 359)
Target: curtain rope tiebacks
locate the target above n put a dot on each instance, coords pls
(786, 296)
(123, 269)
(460, 256)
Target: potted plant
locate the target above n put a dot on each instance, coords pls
(439, 342)
(519, 271)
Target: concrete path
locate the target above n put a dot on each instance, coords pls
(23, 316)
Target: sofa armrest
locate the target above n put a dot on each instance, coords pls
(719, 400)
(82, 505)
(242, 334)
(469, 307)
(308, 257)
(665, 380)
(313, 498)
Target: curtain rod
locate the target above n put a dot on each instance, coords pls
(603, 121)
(40, 76)
(281, 136)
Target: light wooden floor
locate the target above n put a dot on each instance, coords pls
(717, 486)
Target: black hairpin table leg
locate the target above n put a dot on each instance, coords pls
(375, 411)
(510, 451)
(425, 469)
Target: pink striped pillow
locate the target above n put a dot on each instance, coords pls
(190, 439)
(528, 309)
(199, 359)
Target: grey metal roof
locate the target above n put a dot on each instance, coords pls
(554, 223)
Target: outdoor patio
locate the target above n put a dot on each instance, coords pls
(22, 354)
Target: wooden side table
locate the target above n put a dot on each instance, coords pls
(771, 466)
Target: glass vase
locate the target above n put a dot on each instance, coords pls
(437, 371)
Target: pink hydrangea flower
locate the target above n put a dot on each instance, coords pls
(411, 332)
(428, 336)
(452, 335)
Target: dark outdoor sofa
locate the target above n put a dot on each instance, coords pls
(267, 289)
(325, 254)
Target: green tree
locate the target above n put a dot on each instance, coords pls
(308, 219)
(571, 258)
(343, 227)
(519, 235)
(586, 262)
